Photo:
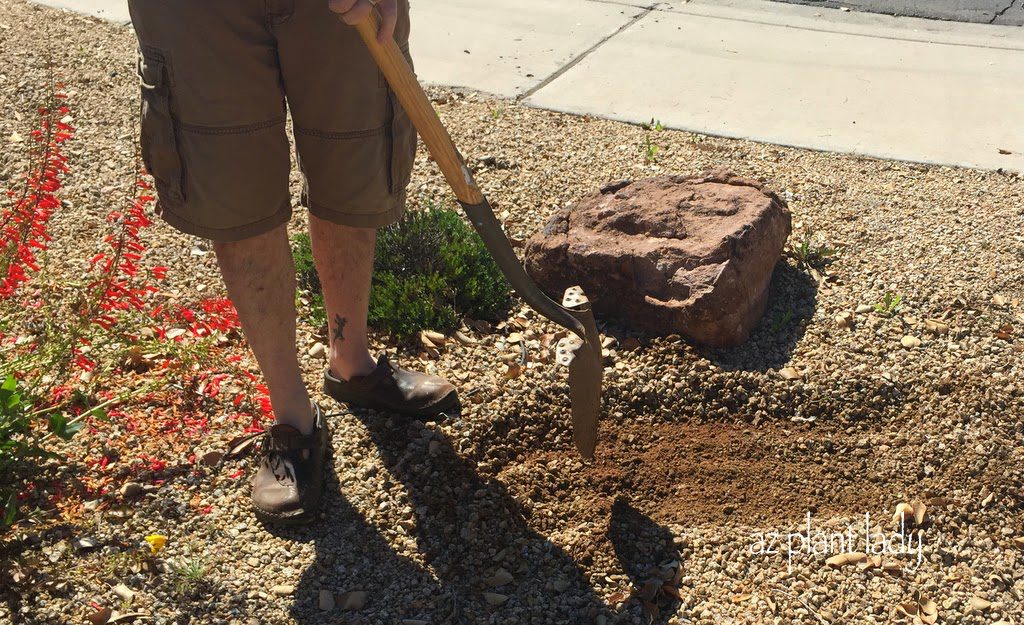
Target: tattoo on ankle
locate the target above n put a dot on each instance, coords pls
(339, 328)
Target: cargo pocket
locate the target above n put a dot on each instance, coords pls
(158, 139)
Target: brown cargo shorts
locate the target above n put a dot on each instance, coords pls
(216, 76)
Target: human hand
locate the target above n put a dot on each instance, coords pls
(355, 11)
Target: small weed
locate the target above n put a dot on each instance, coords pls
(189, 574)
(119, 564)
(811, 253)
(782, 320)
(890, 304)
(496, 114)
(654, 124)
(650, 150)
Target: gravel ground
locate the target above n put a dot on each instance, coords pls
(489, 517)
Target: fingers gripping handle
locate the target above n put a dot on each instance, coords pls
(417, 106)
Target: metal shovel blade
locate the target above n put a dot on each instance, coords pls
(583, 356)
(585, 373)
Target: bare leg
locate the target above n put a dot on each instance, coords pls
(344, 261)
(260, 277)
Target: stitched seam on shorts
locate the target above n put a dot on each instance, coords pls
(313, 206)
(230, 130)
(351, 134)
(171, 216)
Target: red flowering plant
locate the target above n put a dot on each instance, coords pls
(23, 240)
(110, 355)
(23, 234)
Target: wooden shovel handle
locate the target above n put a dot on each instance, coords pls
(416, 104)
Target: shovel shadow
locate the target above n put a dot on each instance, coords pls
(477, 559)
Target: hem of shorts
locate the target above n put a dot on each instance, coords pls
(228, 235)
(359, 220)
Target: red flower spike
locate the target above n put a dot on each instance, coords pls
(23, 227)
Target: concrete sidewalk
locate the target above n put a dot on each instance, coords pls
(903, 88)
(1007, 12)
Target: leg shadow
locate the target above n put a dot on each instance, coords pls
(351, 555)
(473, 534)
(646, 552)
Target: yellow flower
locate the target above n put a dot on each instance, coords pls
(156, 542)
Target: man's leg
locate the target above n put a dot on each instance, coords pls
(344, 262)
(260, 277)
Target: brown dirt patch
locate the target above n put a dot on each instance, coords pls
(698, 473)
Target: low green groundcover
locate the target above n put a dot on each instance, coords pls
(430, 270)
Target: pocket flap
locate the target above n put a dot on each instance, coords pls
(152, 70)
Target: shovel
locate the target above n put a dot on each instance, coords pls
(581, 351)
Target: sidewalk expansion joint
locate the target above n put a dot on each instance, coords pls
(576, 60)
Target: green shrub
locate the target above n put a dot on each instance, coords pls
(430, 270)
(308, 280)
(20, 442)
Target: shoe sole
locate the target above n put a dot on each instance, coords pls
(450, 402)
(269, 518)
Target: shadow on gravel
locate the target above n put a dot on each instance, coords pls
(472, 537)
(646, 552)
(792, 300)
(352, 555)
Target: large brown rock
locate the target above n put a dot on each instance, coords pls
(691, 255)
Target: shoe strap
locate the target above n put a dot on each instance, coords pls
(276, 438)
(244, 445)
(286, 438)
(382, 371)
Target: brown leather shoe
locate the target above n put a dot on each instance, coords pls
(290, 480)
(396, 390)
